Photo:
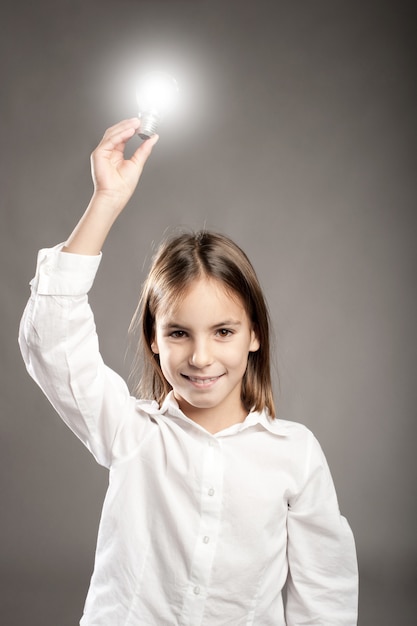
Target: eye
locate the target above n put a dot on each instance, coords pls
(178, 334)
(224, 332)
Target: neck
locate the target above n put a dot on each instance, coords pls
(214, 419)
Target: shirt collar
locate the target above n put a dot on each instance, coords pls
(255, 419)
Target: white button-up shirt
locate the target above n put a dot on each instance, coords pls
(196, 529)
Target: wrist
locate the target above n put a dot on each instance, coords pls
(109, 203)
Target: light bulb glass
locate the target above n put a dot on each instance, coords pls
(156, 95)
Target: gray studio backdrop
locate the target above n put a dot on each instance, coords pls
(296, 136)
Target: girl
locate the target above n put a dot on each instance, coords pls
(213, 504)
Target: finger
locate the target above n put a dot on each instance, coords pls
(120, 133)
(143, 152)
(123, 125)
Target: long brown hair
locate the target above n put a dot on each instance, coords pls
(178, 262)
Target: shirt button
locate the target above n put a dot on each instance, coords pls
(206, 539)
(197, 590)
(211, 491)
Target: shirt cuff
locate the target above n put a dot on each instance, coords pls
(64, 274)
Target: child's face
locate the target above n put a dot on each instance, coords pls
(203, 347)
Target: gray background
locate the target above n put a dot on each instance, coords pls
(296, 136)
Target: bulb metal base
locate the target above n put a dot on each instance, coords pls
(148, 124)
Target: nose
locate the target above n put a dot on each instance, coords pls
(200, 355)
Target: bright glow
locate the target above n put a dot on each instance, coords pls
(200, 100)
(157, 94)
(157, 91)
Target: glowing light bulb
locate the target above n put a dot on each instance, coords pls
(156, 95)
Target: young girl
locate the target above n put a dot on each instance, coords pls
(213, 504)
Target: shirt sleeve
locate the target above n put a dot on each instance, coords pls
(322, 585)
(59, 345)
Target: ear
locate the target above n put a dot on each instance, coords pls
(255, 344)
(154, 346)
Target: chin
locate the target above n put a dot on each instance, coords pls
(198, 403)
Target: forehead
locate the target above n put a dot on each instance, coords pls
(203, 298)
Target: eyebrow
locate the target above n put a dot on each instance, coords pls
(174, 325)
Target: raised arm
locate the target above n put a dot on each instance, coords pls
(57, 334)
(115, 179)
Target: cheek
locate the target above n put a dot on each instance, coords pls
(168, 354)
(238, 357)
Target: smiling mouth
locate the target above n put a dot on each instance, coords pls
(198, 380)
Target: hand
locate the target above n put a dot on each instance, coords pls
(115, 177)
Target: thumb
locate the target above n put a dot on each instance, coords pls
(143, 152)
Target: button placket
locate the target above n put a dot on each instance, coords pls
(211, 502)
